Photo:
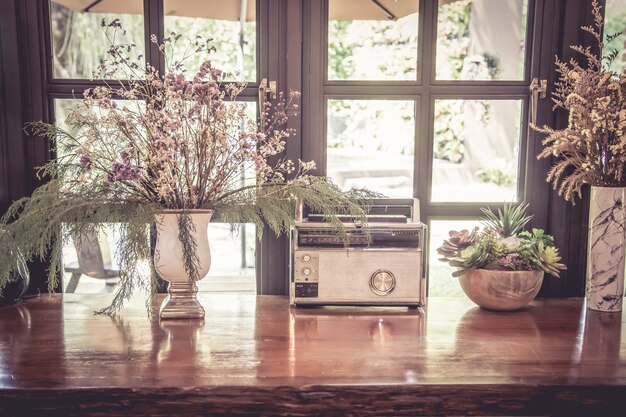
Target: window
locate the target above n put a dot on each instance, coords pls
(359, 32)
(615, 21)
(476, 150)
(415, 98)
(423, 99)
(77, 46)
(78, 43)
(370, 144)
(481, 39)
(231, 25)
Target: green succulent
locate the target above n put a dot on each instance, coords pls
(457, 242)
(477, 256)
(502, 245)
(548, 257)
(508, 221)
(536, 236)
(469, 258)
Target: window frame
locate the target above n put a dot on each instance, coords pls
(425, 90)
(422, 91)
(154, 22)
(292, 27)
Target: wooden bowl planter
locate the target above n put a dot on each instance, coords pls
(501, 290)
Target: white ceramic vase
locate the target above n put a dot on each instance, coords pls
(605, 249)
(182, 301)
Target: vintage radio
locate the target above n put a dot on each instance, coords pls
(382, 265)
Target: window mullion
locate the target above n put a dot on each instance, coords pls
(424, 147)
(153, 13)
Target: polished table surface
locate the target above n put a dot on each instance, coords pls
(256, 355)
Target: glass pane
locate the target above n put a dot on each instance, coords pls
(79, 42)
(441, 283)
(476, 148)
(90, 264)
(233, 251)
(359, 30)
(616, 22)
(63, 107)
(370, 144)
(232, 259)
(231, 24)
(481, 39)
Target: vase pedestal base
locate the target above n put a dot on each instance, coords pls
(182, 302)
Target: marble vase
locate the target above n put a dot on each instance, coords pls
(605, 249)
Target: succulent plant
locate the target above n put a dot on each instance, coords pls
(549, 258)
(457, 242)
(469, 258)
(502, 245)
(508, 221)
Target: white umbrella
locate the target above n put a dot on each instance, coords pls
(371, 9)
(232, 10)
(213, 9)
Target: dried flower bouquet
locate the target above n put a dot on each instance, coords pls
(175, 141)
(592, 148)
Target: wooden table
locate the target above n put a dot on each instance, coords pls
(257, 356)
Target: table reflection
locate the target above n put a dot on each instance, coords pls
(179, 351)
(15, 332)
(348, 341)
(27, 341)
(602, 335)
(498, 333)
(486, 341)
(254, 341)
(601, 344)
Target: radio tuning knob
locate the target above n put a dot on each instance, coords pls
(306, 258)
(306, 271)
(382, 282)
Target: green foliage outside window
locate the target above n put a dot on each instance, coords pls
(339, 51)
(452, 46)
(225, 39)
(453, 37)
(78, 43)
(79, 46)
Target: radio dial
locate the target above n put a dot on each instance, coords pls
(306, 258)
(382, 282)
(306, 271)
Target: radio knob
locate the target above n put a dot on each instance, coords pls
(306, 271)
(382, 282)
(306, 258)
